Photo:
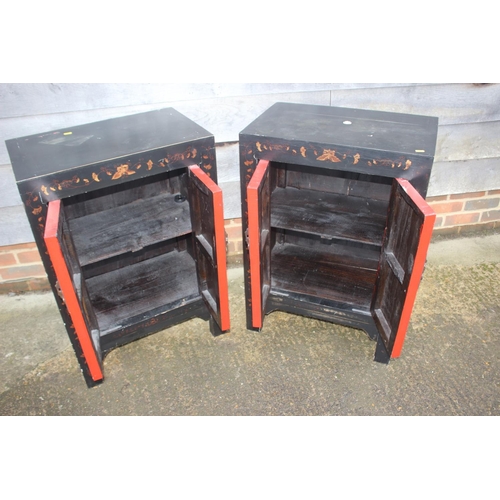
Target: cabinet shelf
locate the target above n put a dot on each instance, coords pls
(124, 296)
(129, 228)
(330, 216)
(337, 274)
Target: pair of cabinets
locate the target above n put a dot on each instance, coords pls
(129, 222)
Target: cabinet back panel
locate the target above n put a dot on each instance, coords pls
(329, 215)
(93, 202)
(129, 228)
(333, 181)
(132, 294)
(310, 271)
(348, 252)
(180, 244)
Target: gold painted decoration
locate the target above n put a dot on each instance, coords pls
(122, 170)
(331, 155)
(37, 206)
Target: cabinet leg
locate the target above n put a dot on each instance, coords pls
(214, 327)
(372, 333)
(381, 354)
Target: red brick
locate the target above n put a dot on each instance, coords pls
(14, 287)
(494, 192)
(232, 222)
(447, 207)
(446, 230)
(38, 284)
(11, 248)
(31, 256)
(472, 228)
(463, 196)
(233, 232)
(481, 204)
(439, 221)
(490, 215)
(22, 272)
(17, 248)
(434, 199)
(464, 218)
(7, 259)
(235, 247)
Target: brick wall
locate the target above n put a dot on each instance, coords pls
(463, 213)
(21, 269)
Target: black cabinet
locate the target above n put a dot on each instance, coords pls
(129, 222)
(334, 216)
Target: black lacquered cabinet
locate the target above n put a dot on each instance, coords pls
(334, 216)
(129, 223)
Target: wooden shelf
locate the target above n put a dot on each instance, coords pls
(129, 228)
(129, 294)
(338, 274)
(329, 215)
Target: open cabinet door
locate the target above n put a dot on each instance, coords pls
(72, 289)
(406, 240)
(207, 218)
(259, 240)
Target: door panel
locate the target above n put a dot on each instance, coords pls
(207, 218)
(259, 239)
(72, 290)
(406, 240)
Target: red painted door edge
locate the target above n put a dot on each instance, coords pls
(418, 265)
(220, 246)
(254, 241)
(68, 291)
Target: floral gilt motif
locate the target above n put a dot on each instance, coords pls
(121, 171)
(332, 155)
(329, 155)
(114, 173)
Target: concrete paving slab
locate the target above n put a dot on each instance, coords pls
(450, 363)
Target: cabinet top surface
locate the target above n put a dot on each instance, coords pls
(348, 127)
(63, 149)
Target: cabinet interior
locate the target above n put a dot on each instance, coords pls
(326, 231)
(130, 249)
